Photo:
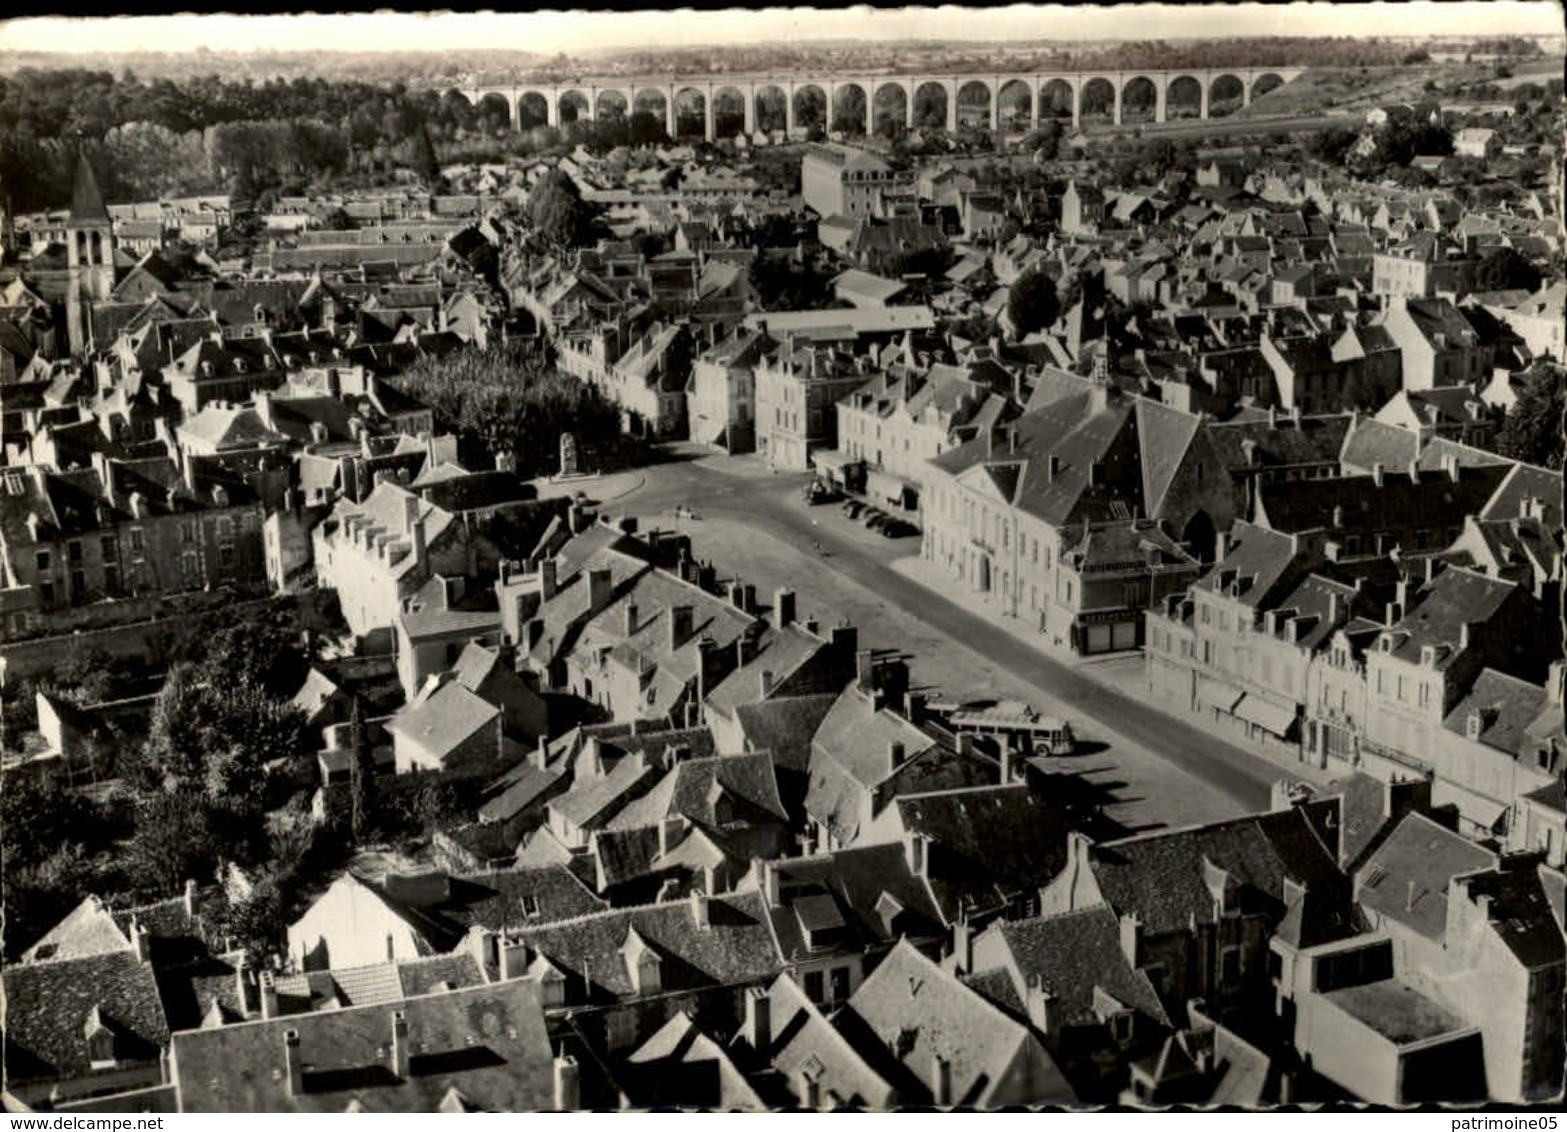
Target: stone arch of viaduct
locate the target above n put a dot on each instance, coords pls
(587, 93)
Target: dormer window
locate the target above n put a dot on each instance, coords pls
(100, 1041)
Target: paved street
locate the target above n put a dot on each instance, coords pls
(753, 523)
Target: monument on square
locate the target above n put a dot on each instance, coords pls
(568, 455)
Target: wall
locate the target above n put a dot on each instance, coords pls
(349, 927)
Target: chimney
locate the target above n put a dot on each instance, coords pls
(269, 1007)
(1040, 1005)
(568, 1084)
(631, 618)
(1132, 938)
(783, 609)
(142, 939)
(296, 1066)
(962, 946)
(670, 830)
(865, 669)
(1450, 466)
(600, 586)
(914, 848)
(766, 683)
(759, 1020)
(916, 708)
(681, 618)
(699, 910)
(1055, 467)
(402, 1052)
(547, 579)
(1463, 635)
(190, 899)
(242, 983)
(965, 743)
(895, 756)
(514, 959)
(810, 1091)
(1376, 474)
(940, 1080)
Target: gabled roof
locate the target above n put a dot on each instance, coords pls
(89, 929)
(1437, 617)
(486, 1043)
(916, 1013)
(1072, 954)
(805, 1043)
(785, 726)
(443, 720)
(987, 845)
(49, 1005)
(1503, 705)
(1160, 877)
(1406, 880)
(734, 947)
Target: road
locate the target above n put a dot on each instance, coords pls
(770, 505)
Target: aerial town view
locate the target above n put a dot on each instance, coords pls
(699, 560)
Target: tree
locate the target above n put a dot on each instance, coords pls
(555, 208)
(1532, 429)
(177, 839)
(1032, 303)
(423, 159)
(361, 782)
(1504, 269)
(646, 128)
(513, 401)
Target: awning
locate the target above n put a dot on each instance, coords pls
(1216, 693)
(832, 458)
(1486, 813)
(1270, 717)
(886, 486)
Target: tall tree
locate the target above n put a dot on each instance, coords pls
(1032, 303)
(1532, 430)
(361, 783)
(555, 208)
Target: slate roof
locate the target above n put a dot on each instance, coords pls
(1521, 915)
(785, 726)
(1265, 564)
(1311, 440)
(687, 791)
(988, 845)
(805, 1042)
(48, 1004)
(1406, 879)
(89, 929)
(736, 946)
(1399, 505)
(1159, 876)
(1505, 705)
(681, 1065)
(872, 887)
(915, 1012)
(1371, 442)
(1071, 954)
(443, 720)
(1452, 599)
(488, 1043)
(87, 205)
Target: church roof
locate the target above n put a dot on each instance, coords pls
(86, 201)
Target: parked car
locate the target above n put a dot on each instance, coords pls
(898, 528)
(875, 518)
(853, 508)
(816, 492)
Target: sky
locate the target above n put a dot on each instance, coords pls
(580, 31)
